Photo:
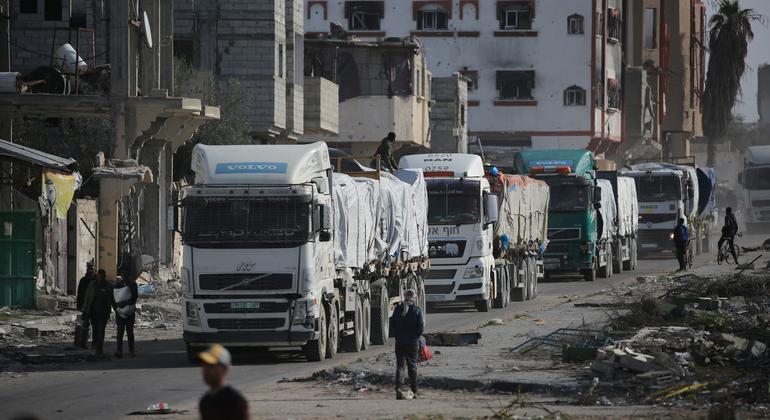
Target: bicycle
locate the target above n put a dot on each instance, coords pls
(724, 251)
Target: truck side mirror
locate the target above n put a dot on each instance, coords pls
(172, 218)
(325, 222)
(491, 206)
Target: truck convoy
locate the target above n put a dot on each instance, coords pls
(581, 224)
(756, 183)
(486, 231)
(666, 192)
(624, 250)
(280, 251)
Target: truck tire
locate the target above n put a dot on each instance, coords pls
(421, 302)
(533, 279)
(606, 271)
(380, 315)
(483, 305)
(315, 350)
(333, 341)
(590, 274)
(506, 276)
(498, 300)
(635, 253)
(366, 318)
(521, 293)
(354, 342)
(617, 263)
(629, 265)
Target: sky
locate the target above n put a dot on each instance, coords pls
(759, 53)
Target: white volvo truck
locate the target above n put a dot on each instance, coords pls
(463, 211)
(756, 184)
(280, 252)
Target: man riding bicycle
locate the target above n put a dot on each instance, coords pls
(729, 230)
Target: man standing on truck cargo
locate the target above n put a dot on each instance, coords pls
(681, 238)
(729, 230)
(408, 324)
(385, 152)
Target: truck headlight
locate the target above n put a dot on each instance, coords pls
(304, 313)
(671, 236)
(192, 314)
(473, 273)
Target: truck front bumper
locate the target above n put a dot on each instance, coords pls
(447, 283)
(655, 240)
(567, 257)
(250, 338)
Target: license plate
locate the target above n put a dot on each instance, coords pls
(649, 246)
(435, 298)
(244, 305)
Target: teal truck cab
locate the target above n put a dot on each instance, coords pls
(575, 242)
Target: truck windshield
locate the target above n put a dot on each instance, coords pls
(658, 188)
(453, 201)
(757, 178)
(237, 222)
(568, 197)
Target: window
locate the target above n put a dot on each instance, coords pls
(575, 25)
(613, 94)
(574, 95)
(431, 18)
(650, 24)
(462, 115)
(28, 6)
(514, 15)
(473, 77)
(614, 24)
(52, 9)
(184, 49)
(515, 85)
(364, 15)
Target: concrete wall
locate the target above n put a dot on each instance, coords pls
(321, 106)
(473, 42)
(449, 114)
(82, 231)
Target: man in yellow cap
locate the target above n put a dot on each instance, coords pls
(221, 401)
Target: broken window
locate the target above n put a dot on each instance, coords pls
(614, 24)
(473, 77)
(613, 94)
(364, 15)
(514, 15)
(516, 85)
(184, 49)
(574, 95)
(575, 25)
(52, 9)
(431, 18)
(650, 38)
(28, 6)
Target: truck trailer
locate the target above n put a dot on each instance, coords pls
(279, 251)
(578, 239)
(624, 251)
(469, 212)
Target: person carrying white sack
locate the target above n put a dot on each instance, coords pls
(126, 293)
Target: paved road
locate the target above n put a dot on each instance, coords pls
(161, 373)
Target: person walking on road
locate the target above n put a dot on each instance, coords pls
(408, 325)
(729, 230)
(83, 284)
(385, 152)
(681, 240)
(221, 402)
(98, 302)
(125, 293)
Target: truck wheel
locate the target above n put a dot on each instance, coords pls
(513, 273)
(629, 265)
(366, 320)
(617, 263)
(506, 292)
(635, 253)
(521, 293)
(532, 280)
(483, 305)
(192, 354)
(590, 274)
(333, 342)
(315, 350)
(353, 343)
(606, 271)
(421, 302)
(498, 281)
(380, 316)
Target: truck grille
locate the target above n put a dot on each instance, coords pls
(760, 203)
(563, 234)
(220, 281)
(246, 324)
(656, 218)
(558, 248)
(264, 307)
(440, 274)
(446, 249)
(439, 289)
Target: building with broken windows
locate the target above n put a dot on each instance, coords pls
(544, 74)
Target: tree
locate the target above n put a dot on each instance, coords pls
(729, 35)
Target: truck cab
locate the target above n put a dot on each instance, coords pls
(756, 183)
(461, 211)
(573, 219)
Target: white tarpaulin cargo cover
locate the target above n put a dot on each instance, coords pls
(416, 232)
(608, 211)
(628, 207)
(356, 209)
(523, 208)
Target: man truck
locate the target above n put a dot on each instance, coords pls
(579, 231)
(281, 252)
(466, 218)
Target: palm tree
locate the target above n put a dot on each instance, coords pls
(729, 35)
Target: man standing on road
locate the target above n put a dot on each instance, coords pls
(83, 284)
(221, 402)
(98, 302)
(408, 325)
(385, 152)
(126, 293)
(681, 238)
(729, 230)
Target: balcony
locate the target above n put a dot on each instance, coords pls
(321, 106)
